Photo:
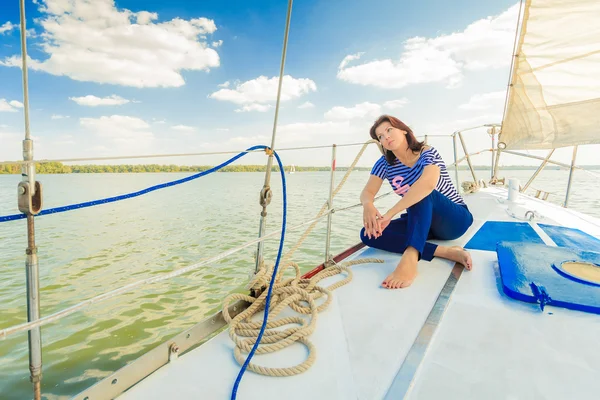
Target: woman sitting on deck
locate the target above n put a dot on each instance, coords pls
(435, 209)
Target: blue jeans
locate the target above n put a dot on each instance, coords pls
(434, 217)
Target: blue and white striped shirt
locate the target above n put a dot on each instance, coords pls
(402, 177)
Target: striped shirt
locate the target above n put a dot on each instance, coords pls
(402, 177)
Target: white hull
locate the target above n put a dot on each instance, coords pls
(486, 346)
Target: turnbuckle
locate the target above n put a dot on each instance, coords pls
(30, 204)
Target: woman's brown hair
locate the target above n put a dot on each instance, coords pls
(412, 141)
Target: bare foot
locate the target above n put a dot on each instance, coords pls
(459, 255)
(404, 274)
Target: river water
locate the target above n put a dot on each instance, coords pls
(84, 253)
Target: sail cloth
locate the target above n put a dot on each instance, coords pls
(554, 100)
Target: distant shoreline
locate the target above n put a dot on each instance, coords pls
(59, 168)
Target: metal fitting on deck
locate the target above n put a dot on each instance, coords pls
(265, 196)
(497, 181)
(30, 199)
(173, 352)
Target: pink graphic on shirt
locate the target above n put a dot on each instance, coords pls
(399, 188)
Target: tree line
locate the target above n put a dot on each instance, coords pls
(60, 168)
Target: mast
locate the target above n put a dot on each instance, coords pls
(266, 194)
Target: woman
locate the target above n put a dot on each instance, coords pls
(435, 210)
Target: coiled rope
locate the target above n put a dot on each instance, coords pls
(291, 292)
(297, 293)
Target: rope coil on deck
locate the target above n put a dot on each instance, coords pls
(470, 187)
(297, 293)
(473, 187)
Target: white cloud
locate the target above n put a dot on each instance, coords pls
(395, 104)
(348, 59)
(224, 84)
(10, 106)
(216, 44)
(159, 121)
(264, 90)
(121, 120)
(486, 43)
(307, 104)
(485, 101)
(183, 128)
(93, 40)
(361, 110)
(119, 128)
(57, 116)
(93, 101)
(255, 107)
(145, 17)
(7, 27)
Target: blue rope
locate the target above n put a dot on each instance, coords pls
(56, 210)
(268, 299)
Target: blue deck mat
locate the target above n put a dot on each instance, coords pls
(573, 238)
(533, 273)
(492, 232)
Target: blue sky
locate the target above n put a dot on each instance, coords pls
(131, 77)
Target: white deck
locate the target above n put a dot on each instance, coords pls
(486, 346)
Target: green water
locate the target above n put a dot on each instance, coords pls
(88, 252)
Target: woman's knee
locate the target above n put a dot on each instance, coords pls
(426, 201)
(445, 229)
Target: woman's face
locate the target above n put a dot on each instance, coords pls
(391, 138)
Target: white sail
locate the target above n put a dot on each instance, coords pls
(554, 100)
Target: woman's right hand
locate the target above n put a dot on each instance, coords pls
(370, 216)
